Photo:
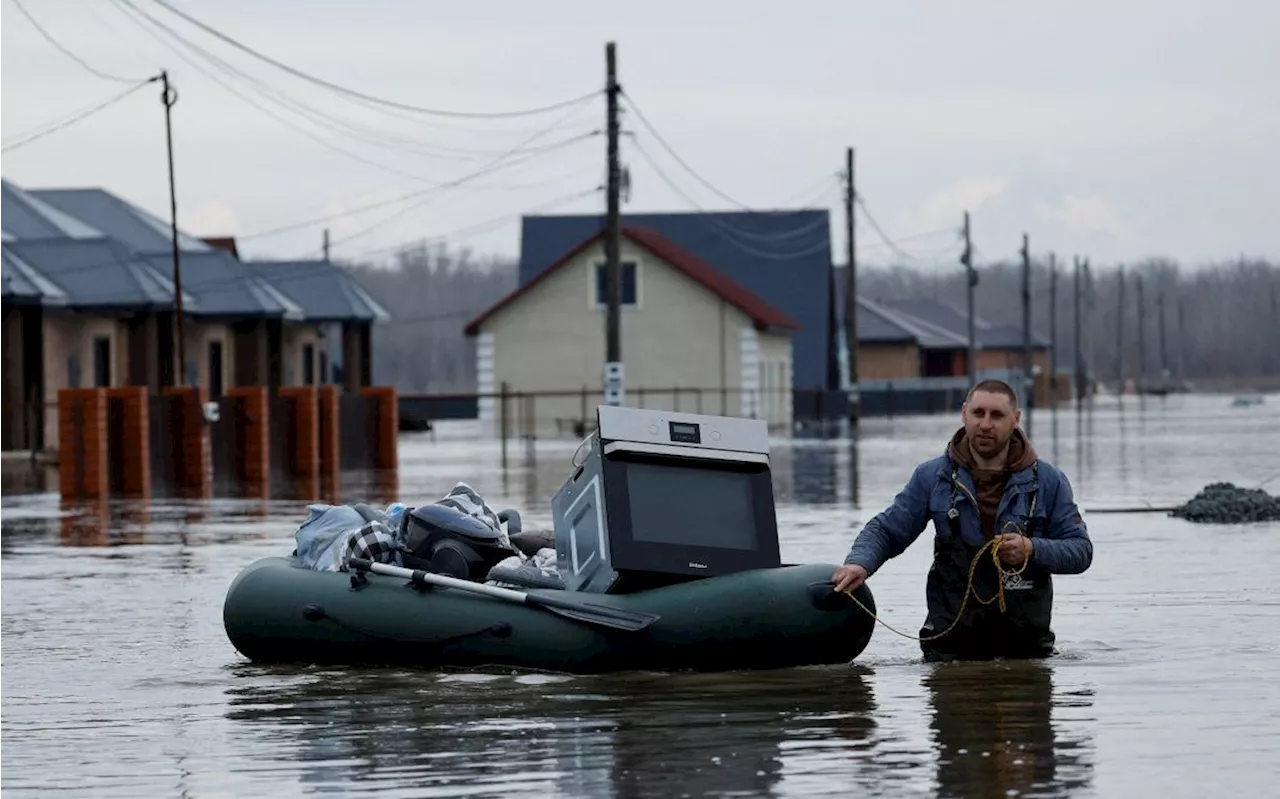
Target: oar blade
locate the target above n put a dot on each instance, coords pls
(626, 620)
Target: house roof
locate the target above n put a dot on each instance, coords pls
(224, 287)
(987, 334)
(25, 217)
(98, 273)
(324, 291)
(23, 284)
(886, 324)
(760, 312)
(118, 218)
(784, 256)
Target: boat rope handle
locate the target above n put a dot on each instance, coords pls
(969, 589)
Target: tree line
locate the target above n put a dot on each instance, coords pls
(1221, 320)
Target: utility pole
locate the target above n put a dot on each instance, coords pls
(326, 245)
(1120, 333)
(1182, 334)
(169, 96)
(1090, 340)
(971, 280)
(1053, 329)
(1076, 333)
(851, 291)
(613, 372)
(1028, 364)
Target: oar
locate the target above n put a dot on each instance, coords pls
(579, 611)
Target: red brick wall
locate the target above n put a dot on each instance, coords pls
(330, 449)
(386, 455)
(306, 419)
(195, 471)
(82, 443)
(134, 450)
(255, 448)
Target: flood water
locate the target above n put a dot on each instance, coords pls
(120, 681)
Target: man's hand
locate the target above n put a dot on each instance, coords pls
(849, 577)
(1015, 549)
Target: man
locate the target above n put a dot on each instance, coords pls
(989, 486)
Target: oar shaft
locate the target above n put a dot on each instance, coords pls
(442, 580)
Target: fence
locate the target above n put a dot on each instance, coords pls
(293, 442)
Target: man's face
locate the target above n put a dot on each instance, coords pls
(989, 420)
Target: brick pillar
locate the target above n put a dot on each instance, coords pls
(82, 443)
(305, 458)
(255, 446)
(330, 451)
(196, 467)
(132, 452)
(386, 414)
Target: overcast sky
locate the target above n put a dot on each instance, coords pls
(1117, 129)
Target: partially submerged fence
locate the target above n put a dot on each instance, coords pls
(251, 442)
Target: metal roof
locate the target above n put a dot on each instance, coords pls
(25, 285)
(324, 291)
(23, 216)
(225, 287)
(98, 273)
(987, 335)
(118, 218)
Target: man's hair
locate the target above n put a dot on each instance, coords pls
(994, 387)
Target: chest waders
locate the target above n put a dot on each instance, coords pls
(1023, 630)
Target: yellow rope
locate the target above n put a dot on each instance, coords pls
(969, 589)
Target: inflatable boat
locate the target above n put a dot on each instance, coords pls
(666, 557)
(277, 611)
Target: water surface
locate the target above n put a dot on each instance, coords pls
(119, 679)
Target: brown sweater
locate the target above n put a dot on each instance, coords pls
(989, 483)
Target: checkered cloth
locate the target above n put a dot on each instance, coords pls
(374, 542)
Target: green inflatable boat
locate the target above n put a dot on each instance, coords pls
(277, 611)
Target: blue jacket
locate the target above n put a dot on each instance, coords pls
(1062, 544)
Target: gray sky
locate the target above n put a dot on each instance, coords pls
(1114, 129)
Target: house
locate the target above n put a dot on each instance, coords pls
(782, 257)
(684, 324)
(1000, 347)
(89, 290)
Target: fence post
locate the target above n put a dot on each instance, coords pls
(82, 443)
(134, 446)
(502, 420)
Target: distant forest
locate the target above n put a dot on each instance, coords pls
(1220, 321)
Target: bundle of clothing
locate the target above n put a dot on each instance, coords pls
(334, 534)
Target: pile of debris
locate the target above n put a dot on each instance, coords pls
(1226, 503)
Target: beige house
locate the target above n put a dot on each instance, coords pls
(691, 340)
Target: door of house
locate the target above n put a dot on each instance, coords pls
(215, 370)
(101, 362)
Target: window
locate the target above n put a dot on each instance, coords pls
(215, 370)
(308, 365)
(73, 371)
(101, 362)
(627, 274)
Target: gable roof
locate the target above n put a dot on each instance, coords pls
(25, 217)
(324, 291)
(783, 255)
(225, 287)
(987, 334)
(760, 312)
(99, 273)
(118, 218)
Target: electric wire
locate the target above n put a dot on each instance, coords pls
(67, 51)
(369, 97)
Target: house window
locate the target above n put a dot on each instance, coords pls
(215, 370)
(101, 362)
(308, 365)
(627, 274)
(73, 371)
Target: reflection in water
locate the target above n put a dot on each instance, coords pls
(814, 475)
(994, 733)
(625, 735)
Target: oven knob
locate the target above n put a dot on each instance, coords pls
(653, 429)
(715, 435)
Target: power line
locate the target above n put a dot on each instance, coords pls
(67, 52)
(320, 117)
(884, 236)
(77, 117)
(368, 97)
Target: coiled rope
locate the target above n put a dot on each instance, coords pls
(994, 546)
